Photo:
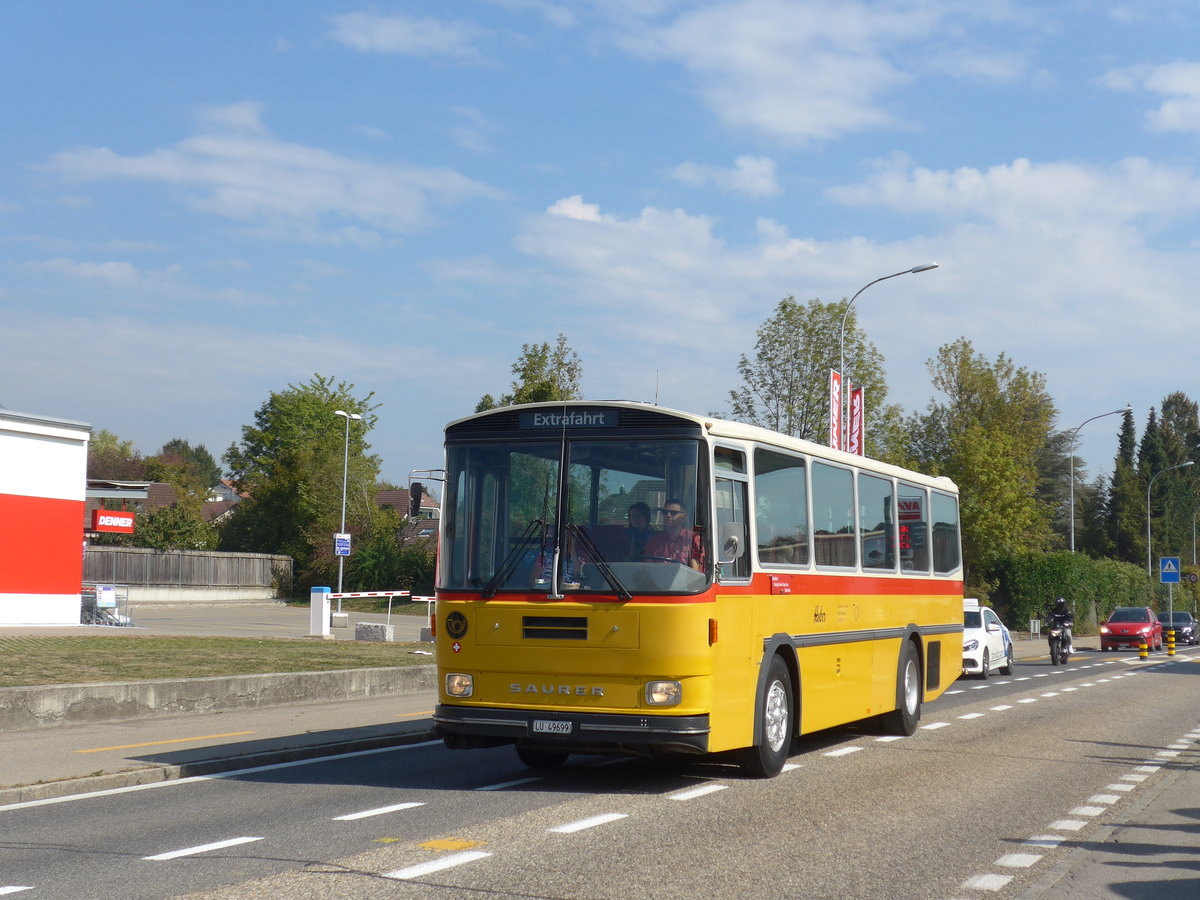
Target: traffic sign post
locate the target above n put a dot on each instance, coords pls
(1168, 574)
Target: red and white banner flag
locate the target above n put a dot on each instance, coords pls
(855, 442)
(835, 409)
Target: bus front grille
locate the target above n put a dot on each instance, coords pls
(571, 628)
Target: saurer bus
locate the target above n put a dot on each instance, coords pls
(616, 577)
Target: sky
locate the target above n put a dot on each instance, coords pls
(202, 203)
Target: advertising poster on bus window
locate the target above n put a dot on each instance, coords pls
(835, 409)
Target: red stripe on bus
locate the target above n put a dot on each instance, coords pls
(41, 545)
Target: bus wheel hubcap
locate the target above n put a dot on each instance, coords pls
(775, 716)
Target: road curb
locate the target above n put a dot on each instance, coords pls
(42, 706)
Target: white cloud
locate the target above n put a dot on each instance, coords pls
(1044, 263)
(1022, 194)
(242, 172)
(472, 132)
(1178, 83)
(751, 175)
(245, 116)
(798, 72)
(112, 274)
(370, 32)
(573, 207)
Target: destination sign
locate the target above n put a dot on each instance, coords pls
(569, 418)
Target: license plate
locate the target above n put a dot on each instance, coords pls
(551, 726)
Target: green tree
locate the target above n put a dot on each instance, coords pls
(289, 462)
(389, 556)
(197, 460)
(785, 384)
(174, 527)
(1175, 497)
(112, 459)
(180, 526)
(542, 373)
(988, 434)
(1126, 507)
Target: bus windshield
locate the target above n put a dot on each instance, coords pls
(622, 517)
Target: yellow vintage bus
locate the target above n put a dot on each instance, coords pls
(616, 577)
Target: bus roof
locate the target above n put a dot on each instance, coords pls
(722, 428)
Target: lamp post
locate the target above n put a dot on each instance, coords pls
(844, 425)
(1074, 435)
(345, 471)
(1149, 570)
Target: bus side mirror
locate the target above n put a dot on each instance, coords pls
(414, 499)
(732, 544)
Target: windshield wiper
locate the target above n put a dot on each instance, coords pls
(599, 561)
(514, 556)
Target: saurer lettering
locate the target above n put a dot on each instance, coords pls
(570, 690)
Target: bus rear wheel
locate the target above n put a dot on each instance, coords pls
(773, 727)
(904, 718)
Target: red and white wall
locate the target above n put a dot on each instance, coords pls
(43, 484)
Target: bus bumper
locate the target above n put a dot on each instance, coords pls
(573, 732)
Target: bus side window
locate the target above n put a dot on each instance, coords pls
(946, 556)
(833, 516)
(781, 508)
(732, 533)
(876, 522)
(913, 519)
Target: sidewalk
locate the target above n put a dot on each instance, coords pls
(258, 618)
(57, 761)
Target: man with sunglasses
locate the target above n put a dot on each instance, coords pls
(677, 542)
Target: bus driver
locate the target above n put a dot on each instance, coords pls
(677, 543)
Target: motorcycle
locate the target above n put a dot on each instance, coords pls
(1057, 637)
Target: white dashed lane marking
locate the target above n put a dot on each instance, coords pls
(436, 865)
(378, 811)
(592, 822)
(698, 792)
(203, 848)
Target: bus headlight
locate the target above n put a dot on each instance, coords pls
(664, 693)
(459, 685)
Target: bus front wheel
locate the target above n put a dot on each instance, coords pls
(904, 718)
(773, 726)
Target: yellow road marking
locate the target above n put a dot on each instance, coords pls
(450, 844)
(203, 737)
(428, 712)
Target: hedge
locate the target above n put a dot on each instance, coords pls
(1030, 582)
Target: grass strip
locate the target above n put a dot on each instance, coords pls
(87, 659)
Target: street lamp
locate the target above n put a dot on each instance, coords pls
(345, 470)
(843, 424)
(1075, 434)
(1150, 571)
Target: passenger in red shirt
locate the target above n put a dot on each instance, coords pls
(677, 542)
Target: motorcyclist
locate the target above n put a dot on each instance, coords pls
(1062, 616)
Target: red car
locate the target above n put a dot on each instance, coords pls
(1128, 626)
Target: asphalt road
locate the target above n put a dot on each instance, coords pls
(1012, 788)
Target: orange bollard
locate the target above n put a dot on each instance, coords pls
(1171, 642)
(1143, 650)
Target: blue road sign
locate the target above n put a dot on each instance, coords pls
(341, 545)
(1168, 569)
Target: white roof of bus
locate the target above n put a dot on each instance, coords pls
(723, 428)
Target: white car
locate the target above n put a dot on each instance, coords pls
(986, 641)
